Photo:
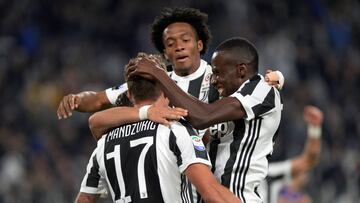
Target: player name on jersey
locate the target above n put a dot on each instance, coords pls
(130, 129)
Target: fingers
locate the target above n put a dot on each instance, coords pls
(313, 115)
(66, 106)
(180, 111)
(164, 115)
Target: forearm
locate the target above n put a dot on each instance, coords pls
(312, 151)
(93, 101)
(100, 122)
(201, 115)
(220, 194)
(179, 98)
(86, 198)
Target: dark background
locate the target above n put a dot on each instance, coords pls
(52, 48)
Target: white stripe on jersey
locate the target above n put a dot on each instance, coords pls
(114, 92)
(239, 155)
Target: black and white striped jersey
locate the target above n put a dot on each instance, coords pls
(279, 175)
(196, 84)
(145, 162)
(238, 153)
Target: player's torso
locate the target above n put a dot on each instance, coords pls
(139, 165)
(235, 157)
(197, 84)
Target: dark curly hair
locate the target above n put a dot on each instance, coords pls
(194, 17)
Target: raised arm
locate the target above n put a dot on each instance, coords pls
(201, 115)
(88, 101)
(309, 158)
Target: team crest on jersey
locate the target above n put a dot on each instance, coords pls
(197, 142)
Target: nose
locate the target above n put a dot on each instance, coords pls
(179, 46)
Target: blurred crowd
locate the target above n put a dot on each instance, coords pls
(52, 48)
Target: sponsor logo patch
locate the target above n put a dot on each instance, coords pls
(197, 142)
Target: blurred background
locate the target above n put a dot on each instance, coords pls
(52, 48)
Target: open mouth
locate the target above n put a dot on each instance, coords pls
(181, 58)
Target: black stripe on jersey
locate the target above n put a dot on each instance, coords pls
(213, 152)
(266, 105)
(243, 154)
(251, 152)
(198, 153)
(94, 176)
(213, 94)
(123, 100)
(190, 189)
(186, 194)
(174, 148)
(234, 148)
(250, 86)
(195, 86)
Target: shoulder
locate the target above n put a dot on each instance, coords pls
(182, 125)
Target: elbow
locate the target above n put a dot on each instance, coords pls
(94, 127)
(92, 122)
(198, 123)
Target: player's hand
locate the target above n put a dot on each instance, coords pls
(313, 115)
(164, 115)
(274, 78)
(67, 105)
(145, 68)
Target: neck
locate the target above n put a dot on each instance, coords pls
(188, 71)
(143, 103)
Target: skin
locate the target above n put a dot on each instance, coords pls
(159, 112)
(182, 48)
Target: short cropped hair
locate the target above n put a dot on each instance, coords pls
(194, 17)
(242, 50)
(142, 88)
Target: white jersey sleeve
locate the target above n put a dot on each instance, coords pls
(190, 146)
(257, 97)
(94, 181)
(114, 92)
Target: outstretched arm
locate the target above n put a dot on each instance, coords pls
(101, 122)
(201, 115)
(205, 182)
(87, 101)
(309, 158)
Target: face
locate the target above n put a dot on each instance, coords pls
(225, 76)
(182, 48)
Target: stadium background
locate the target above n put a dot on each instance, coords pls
(51, 48)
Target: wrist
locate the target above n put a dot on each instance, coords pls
(314, 131)
(143, 112)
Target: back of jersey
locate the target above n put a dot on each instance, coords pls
(145, 162)
(130, 163)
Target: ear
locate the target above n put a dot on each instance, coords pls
(241, 70)
(200, 45)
